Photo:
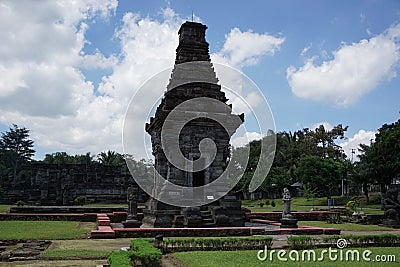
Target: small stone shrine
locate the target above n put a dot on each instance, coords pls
(225, 211)
(287, 221)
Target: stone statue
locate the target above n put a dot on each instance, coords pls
(391, 206)
(132, 196)
(287, 221)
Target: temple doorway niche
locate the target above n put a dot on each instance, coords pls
(199, 178)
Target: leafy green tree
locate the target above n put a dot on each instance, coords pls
(111, 158)
(318, 142)
(84, 159)
(17, 148)
(319, 173)
(17, 140)
(59, 158)
(380, 161)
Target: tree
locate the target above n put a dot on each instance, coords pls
(111, 158)
(17, 146)
(381, 159)
(58, 158)
(17, 140)
(84, 159)
(320, 142)
(319, 173)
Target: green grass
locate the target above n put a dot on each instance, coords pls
(74, 253)
(4, 207)
(346, 226)
(304, 204)
(249, 258)
(42, 230)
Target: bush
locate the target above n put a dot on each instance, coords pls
(261, 204)
(20, 203)
(382, 240)
(273, 204)
(222, 243)
(145, 252)
(120, 259)
(267, 202)
(80, 200)
(334, 219)
(302, 242)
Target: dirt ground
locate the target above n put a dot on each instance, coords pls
(91, 244)
(58, 263)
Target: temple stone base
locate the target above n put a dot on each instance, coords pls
(288, 223)
(222, 213)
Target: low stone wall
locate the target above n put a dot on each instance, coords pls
(301, 216)
(115, 217)
(189, 232)
(66, 209)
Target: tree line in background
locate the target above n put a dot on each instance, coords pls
(311, 157)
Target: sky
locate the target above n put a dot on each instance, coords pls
(69, 69)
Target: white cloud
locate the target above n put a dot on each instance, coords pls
(305, 50)
(246, 48)
(43, 88)
(355, 69)
(361, 137)
(246, 138)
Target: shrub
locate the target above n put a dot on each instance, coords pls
(267, 202)
(381, 240)
(334, 219)
(351, 204)
(302, 242)
(145, 252)
(261, 204)
(20, 203)
(222, 243)
(80, 200)
(120, 259)
(273, 204)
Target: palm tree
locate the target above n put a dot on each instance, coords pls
(110, 158)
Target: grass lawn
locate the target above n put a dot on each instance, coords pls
(346, 226)
(4, 207)
(304, 204)
(249, 258)
(44, 229)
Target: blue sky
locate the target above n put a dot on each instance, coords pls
(69, 69)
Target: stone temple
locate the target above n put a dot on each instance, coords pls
(188, 83)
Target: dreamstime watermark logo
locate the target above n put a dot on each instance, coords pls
(190, 79)
(331, 254)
